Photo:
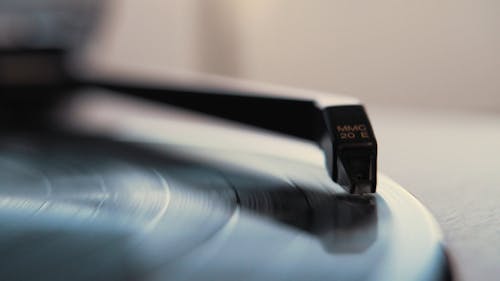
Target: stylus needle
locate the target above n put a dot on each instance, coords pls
(350, 148)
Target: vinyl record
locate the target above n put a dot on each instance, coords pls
(82, 208)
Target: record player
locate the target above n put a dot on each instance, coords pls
(189, 177)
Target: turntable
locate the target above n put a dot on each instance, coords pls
(194, 177)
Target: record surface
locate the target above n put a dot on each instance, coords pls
(74, 208)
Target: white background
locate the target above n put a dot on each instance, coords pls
(442, 53)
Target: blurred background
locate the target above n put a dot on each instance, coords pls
(429, 53)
